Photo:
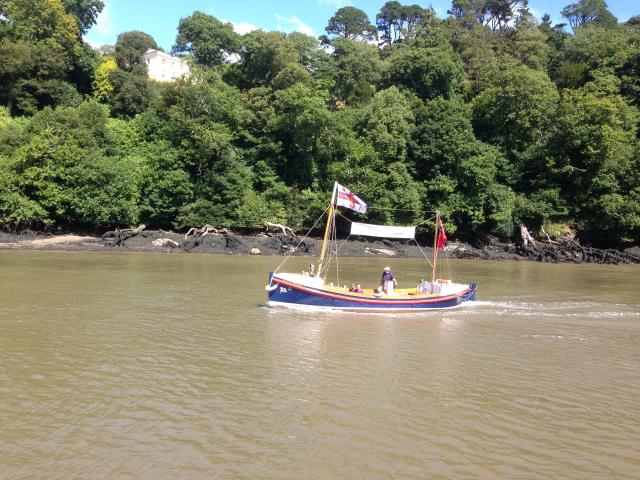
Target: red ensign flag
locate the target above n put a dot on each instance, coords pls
(442, 237)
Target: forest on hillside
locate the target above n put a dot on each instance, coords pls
(491, 116)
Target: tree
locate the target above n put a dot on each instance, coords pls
(396, 22)
(595, 160)
(357, 70)
(529, 44)
(587, 11)
(388, 124)
(204, 118)
(497, 14)
(593, 47)
(33, 76)
(42, 62)
(263, 56)
(40, 20)
(516, 113)
(480, 52)
(164, 184)
(300, 121)
(430, 31)
(102, 85)
(429, 72)
(209, 40)
(389, 21)
(500, 13)
(629, 74)
(130, 46)
(465, 13)
(459, 172)
(84, 60)
(443, 137)
(311, 55)
(351, 23)
(85, 12)
(61, 168)
(290, 75)
(16, 209)
(130, 92)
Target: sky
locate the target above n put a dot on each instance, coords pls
(159, 18)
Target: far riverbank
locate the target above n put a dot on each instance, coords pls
(262, 244)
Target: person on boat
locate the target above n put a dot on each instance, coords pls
(359, 289)
(388, 281)
(353, 287)
(423, 286)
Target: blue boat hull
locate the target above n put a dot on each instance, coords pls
(286, 293)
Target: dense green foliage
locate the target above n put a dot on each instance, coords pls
(490, 116)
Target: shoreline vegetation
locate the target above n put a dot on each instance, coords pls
(261, 243)
(491, 116)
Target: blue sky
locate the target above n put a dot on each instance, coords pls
(160, 18)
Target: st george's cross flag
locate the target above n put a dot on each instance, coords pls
(346, 198)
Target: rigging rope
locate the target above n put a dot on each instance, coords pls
(399, 209)
(423, 254)
(300, 242)
(334, 241)
(446, 259)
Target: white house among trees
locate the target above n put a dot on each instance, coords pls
(163, 67)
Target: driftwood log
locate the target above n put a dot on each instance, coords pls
(526, 237)
(567, 249)
(195, 237)
(118, 238)
(206, 230)
(278, 228)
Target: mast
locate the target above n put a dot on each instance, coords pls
(435, 248)
(327, 228)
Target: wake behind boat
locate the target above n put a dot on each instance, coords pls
(310, 289)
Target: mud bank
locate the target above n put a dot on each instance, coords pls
(261, 244)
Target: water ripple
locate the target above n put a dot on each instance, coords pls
(109, 373)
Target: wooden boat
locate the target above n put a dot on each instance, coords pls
(310, 289)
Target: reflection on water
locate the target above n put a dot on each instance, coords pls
(165, 366)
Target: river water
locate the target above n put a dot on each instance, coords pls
(168, 366)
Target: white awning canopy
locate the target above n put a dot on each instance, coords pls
(382, 231)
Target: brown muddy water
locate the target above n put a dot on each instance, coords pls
(168, 366)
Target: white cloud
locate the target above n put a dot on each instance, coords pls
(293, 24)
(242, 27)
(102, 32)
(104, 24)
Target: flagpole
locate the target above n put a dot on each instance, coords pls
(435, 248)
(326, 229)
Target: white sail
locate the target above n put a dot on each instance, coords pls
(382, 231)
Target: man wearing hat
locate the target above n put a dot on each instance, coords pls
(388, 281)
